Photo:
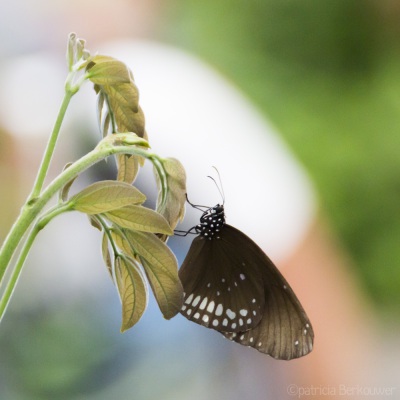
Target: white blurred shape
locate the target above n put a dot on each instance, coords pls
(194, 114)
(31, 94)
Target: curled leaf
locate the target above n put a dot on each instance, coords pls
(106, 255)
(132, 290)
(63, 193)
(106, 195)
(172, 190)
(114, 84)
(95, 223)
(128, 167)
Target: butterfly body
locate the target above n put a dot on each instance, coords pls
(230, 285)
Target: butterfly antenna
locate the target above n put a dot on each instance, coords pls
(219, 186)
(196, 206)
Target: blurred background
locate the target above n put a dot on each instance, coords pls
(326, 74)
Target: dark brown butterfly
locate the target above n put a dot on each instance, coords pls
(230, 285)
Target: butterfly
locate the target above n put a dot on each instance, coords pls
(230, 285)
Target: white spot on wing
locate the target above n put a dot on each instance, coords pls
(243, 312)
(203, 303)
(230, 314)
(210, 307)
(196, 301)
(242, 277)
(189, 299)
(219, 310)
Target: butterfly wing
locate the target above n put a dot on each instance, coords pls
(285, 332)
(223, 286)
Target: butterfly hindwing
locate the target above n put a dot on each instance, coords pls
(285, 331)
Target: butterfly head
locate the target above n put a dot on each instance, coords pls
(211, 222)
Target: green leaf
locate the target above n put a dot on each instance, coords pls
(105, 127)
(172, 191)
(139, 218)
(123, 103)
(122, 243)
(63, 193)
(128, 167)
(102, 114)
(161, 268)
(132, 290)
(104, 196)
(106, 255)
(114, 83)
(104, 70)
(95, 223)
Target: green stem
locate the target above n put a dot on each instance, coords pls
(5, 299)
(40, 224)
(51, 144)
(30, 211)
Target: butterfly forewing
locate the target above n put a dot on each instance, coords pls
(223, 289)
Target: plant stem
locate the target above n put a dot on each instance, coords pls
(51, 144)
(40, 224)
(31, 210)
(5, 299)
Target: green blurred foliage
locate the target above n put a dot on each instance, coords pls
(327, 74)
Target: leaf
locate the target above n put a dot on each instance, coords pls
(104, 70)
(161, 269)
(105, 127)
(106, 195)
(106, 255)
(132, 290)
(120, 240)
(123, 102)
(95, 223)
(171, 199)
(63, 193)
(139, 218)
(114, 83)
(128, 167)
(103, 116)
